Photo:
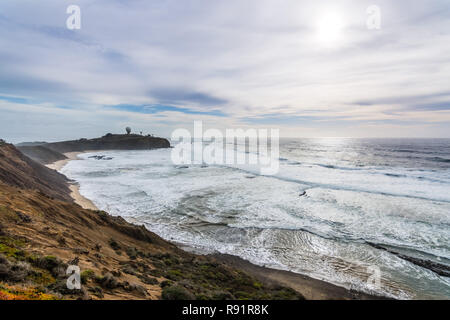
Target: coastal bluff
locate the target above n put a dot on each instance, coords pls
(46, 153)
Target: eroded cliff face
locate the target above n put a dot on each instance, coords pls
(41, 154)
(20, 171)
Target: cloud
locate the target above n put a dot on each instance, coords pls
(255, 62)
(404, 100)
(183, 97)
(155, 109)
(281, 119)
(444, 105)
(28, 85)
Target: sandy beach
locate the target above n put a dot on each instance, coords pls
(85, 203)
(58, 165)
(74, 187)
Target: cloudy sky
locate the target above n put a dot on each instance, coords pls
(310, 68)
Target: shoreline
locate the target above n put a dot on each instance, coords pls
(74, 187)
(310, 288)
(58, 165)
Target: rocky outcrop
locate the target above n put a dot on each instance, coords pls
(439, 268)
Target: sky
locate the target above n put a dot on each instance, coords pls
(308, 68)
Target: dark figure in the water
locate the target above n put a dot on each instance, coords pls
(303, 194)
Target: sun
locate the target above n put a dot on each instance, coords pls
(329, 29)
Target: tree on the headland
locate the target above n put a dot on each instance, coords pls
(128, 129)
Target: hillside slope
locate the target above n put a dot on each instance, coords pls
(20, 171)
(41, 154)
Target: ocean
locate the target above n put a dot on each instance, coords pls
(374, 217)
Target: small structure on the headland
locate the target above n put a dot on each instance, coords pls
(128, 129)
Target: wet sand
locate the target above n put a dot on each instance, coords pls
(74, 187)
(310, 288)
(58, 165)
(85, 203)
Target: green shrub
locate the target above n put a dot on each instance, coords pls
(176, 293)
(165, 283)
(174, 274)
(132, 253)
(87, 275)
(114, 244)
